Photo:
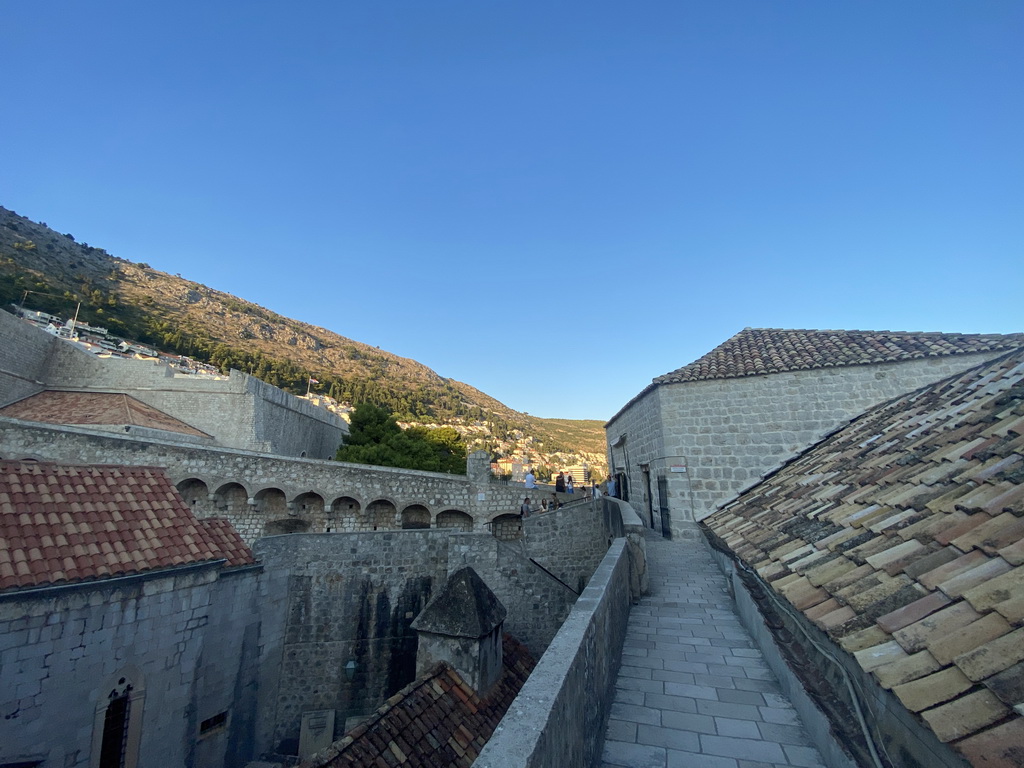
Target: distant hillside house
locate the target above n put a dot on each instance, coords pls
(695, 437)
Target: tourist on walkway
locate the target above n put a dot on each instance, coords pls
(596, 490)
(560, 483)
(524, 509)
(529, 481)
(553, 504)
(611, 486)
(569, 487)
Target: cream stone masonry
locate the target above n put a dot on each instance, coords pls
(704, 441)
(238, 410)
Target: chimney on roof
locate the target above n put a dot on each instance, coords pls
(461, 625)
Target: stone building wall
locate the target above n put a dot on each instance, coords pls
(227, 677)
(63, 649)
(710, 439)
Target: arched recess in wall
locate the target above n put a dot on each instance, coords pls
(272, 503)
(309, 505)
(382, 514)
(285, 525)
(231, 500)
(117, 721)
(196, 494)
(344, 514)
(415, 516)
(453, 518)
(507, 527)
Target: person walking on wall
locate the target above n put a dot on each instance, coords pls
(524, 509)
(560, 483)
(553, 505)
(611, 486)
(596, 490)
(530, 481)
(569, 487)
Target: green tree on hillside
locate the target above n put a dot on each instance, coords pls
(375, 438)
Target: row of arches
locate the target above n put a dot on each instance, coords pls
(269, 511)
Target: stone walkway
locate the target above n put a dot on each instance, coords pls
(693, 690)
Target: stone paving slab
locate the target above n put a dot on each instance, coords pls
(693, 690)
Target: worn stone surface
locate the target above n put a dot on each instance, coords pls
(693, 688)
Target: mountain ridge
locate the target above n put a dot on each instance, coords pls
(49, 270)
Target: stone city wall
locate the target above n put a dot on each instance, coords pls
(711, 439)
(582, 523)
(24, 356)
(238, 411)
(339, 608)
(254, 490)
(63, 649)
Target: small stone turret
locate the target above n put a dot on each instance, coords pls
(478, 466)
(461, 625)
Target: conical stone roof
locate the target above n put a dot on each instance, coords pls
(464, 607)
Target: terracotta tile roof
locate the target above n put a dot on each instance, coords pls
(902, 536)
(63, 524)
(227, 541)
(434, 722)
(95, 408)
(759, 351)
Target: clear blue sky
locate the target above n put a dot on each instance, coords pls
(552, 201)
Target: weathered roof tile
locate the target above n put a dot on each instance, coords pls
(760, 351)
(942, 577)
(99, 521)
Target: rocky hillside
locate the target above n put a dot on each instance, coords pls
(52, 272)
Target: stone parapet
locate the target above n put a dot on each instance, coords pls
(566, 701)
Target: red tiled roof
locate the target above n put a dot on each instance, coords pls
(71, 523)
(436, 721)
(902, 537)
(760, 351)
(227, 541)
(95, 408)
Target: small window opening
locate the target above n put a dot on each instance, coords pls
(213, 723)
(115, 728)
